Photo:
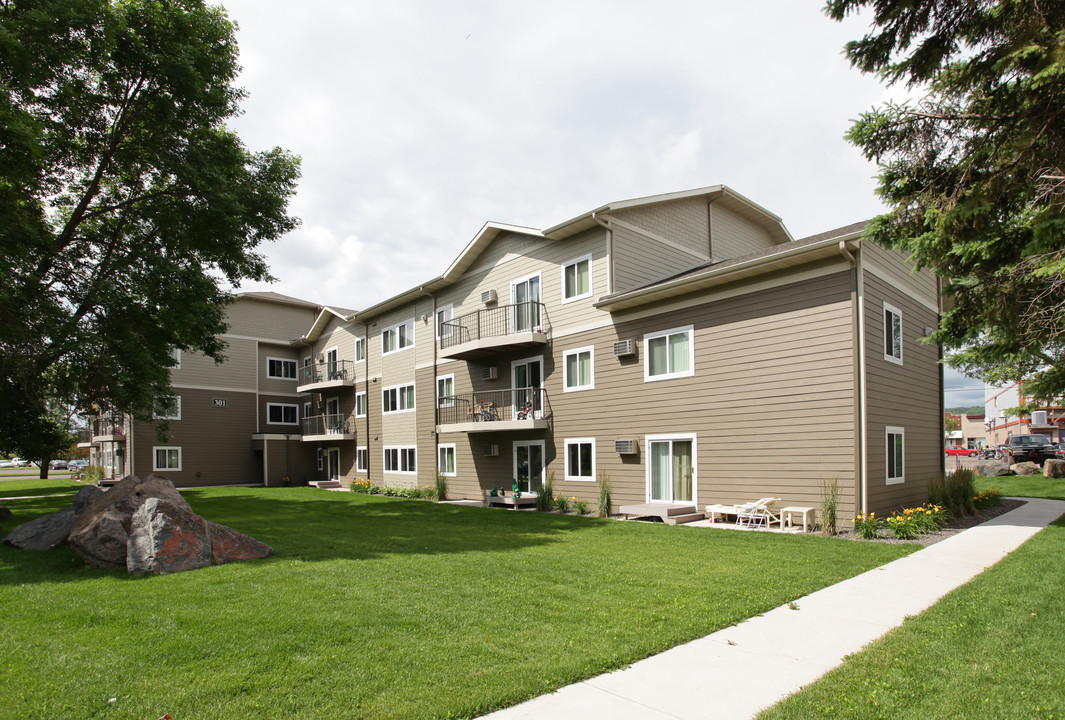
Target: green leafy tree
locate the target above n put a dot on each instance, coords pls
(974, 171)
(126, 204)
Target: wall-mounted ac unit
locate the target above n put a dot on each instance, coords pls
(488, 297)
(622, 348)
(491, 451)
(489, 373)
(625, 447)
(1039, 417)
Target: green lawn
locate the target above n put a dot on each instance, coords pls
(990, 649)
(382, 608)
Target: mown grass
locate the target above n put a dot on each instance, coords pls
(990, 649)
(36, 486)
(382, 608)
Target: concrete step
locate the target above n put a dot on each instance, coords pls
(325, 483)
(682, 519)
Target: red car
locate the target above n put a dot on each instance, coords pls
(971, 452)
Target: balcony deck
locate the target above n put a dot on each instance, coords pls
(328, 428)
(512, 409)
(325, 375)
(493, 331)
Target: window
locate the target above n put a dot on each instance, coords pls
(668, 354)
(281, 368)
(360, 404)
(445, 391)
(896, 465)
(445, 462)
(397, 399)
(577, 279)
(168, 408)
(397, 337)
(321, 459)
(362, 459)
(360, 349)
(278, 414)
(401, 460)
(444, 314)
(577, 368)
(307, 408)
(892, 334)
(671, 471)
(166, 458)
(580, 459)
(175, 354)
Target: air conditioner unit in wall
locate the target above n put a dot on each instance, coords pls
(488, 297)
(625, 447)
(489, 373)
(623, 348)
(1039, 417)
(491, 451)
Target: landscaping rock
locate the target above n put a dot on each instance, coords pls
(5, 513)
(992, 468)
(44, 533)
(1025, 468)
(228, 545)
(85, 497)
(166, 537)
(1054, 468)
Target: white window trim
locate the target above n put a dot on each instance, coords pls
(436, 317)
(648, 439)
(395, 328)
(282, 405)
(177, 404)
(321, 459)
(401, 449)
(513, 310)
(578, 441)
(176, 354)
(414, 393)
(888, 307)
(365, 453)
(901, 432)
(450, 403)
(360, 342)
(295, 368)
(565, 265)
(307, 360)
(454, 455)
(308, 408)
(365, 403)
(334, 349)
(590, 349)
(690, 329)
(155, 458)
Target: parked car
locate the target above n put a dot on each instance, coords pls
(1059, 451)
(20, 462)
(77, 464)
(6, 464)
(970, 452)
(1029, 448)
(57, 465)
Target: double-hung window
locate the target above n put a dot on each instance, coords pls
(362, 459)
(398, 337)
(397, 399)
(577, 279)
(360, 404)
(669, 354)
(281, 368)
(445, 460)
(578, 369)
(282, 414)
(892, 334)
(445, 391)
(401, 460)
(580, 459)
(166, 458)
(896, 466)
(360, 349)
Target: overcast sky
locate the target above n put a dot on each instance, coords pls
(417, 122)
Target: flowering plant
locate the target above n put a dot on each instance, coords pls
(868, 525)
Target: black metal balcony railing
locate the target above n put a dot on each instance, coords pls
(85, 435)
(513, 404)
(109, 425)
(494, 322)
(327, 372)
(328, 425)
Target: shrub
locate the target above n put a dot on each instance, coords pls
(903, 526)
(987, 499)
(545, 499)
(364, 486)
(956, 492)
(562, 504)
(581, 506)
(868, 526)
(440, 491)
(606, 500)
(829, 504)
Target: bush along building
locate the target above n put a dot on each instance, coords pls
(682, 348)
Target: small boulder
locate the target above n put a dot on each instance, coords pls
(992, 468)
(228, 545)
(5, 513)
(166, 537)
(1054, 468)
(44, 533)
(1025, 468)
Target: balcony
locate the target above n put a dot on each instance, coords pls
(495, 411)
(321, 428)
(494, 330)
(85, 438)
(324, 375)
(109, 429)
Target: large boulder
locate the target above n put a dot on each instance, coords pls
(992, 468)
(44, 533)
(1025, 468)
(101, 532)
(85, 497)
(1054, 468)
(228, 545)
(165, 538)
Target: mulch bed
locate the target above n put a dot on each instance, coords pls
(952, 528)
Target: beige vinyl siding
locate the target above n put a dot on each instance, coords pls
(276, 385)
(735, 236)
(263, 319)
(899, 272)
(337, 334)
(902, 396)
(684, 222)
(237, 371)
(639, 259)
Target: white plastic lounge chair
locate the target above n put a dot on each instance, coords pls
(759, 514)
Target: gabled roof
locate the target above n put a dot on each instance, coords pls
(276, 298)
(321, 322)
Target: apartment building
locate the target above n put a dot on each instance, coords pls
(683, 348)
(237, 422)
(1002, 421)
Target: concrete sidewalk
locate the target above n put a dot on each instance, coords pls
(741, 670)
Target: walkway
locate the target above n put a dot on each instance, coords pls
(739, 671)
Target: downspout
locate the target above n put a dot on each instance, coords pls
(609, 250)
(859, 289)
(710, 227)
(436, 370)
(942, 400)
